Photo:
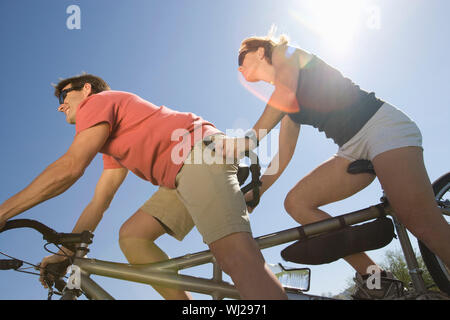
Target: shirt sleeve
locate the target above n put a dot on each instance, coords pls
(110, 163)
(96, 109)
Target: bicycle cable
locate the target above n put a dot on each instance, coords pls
(58, 254)
(51, 292)
(36, 267)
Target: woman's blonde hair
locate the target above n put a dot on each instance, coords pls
(268, 42)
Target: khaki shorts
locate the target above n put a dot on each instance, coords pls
(388, 129)
(206, 195)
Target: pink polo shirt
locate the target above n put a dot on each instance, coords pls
(148, 140)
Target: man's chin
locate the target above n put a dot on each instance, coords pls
(70, 121)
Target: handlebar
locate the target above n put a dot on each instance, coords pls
(255, 183)
(54, 272)
(68, 240)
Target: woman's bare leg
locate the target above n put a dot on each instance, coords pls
(328, 183)
(405, 181)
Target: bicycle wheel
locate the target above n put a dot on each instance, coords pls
(437, 269)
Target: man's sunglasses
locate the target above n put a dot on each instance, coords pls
(63, 93)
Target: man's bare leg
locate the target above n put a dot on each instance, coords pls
(136, 240)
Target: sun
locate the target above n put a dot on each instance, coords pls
(336, 22)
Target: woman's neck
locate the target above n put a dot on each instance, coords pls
(267, 73)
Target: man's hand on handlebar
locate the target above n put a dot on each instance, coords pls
(55, 258)
(3, 220)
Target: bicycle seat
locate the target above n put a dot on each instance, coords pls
(361, 166)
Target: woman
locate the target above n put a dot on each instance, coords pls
(309, 91)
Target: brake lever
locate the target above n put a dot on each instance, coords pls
(50, 289)
(47, 281)
(255, 169)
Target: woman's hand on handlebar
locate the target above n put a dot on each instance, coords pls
(249, 197)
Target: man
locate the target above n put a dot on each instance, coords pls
(133, 134)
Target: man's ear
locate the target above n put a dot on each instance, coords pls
(87, 89)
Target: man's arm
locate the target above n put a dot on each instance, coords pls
(60, 175)
(106, 188)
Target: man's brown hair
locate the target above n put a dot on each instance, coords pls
(97, 83)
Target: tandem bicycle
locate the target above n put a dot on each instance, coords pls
(378, 223)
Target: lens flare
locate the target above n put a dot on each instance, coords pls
(261, 90)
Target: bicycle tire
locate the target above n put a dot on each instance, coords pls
(435, 267)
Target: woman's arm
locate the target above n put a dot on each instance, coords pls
(283, 99)
(289, 133)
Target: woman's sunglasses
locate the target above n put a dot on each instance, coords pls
(242, 56)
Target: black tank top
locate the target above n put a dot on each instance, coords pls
(331, 103)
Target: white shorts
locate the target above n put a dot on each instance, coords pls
(388, 129)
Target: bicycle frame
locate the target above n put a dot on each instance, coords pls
(164, 273)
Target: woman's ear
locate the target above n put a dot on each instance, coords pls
(261, 53)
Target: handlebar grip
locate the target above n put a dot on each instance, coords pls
(242, 174)
(8, 264)
(256, 196)
(254, 185)
(68, 239)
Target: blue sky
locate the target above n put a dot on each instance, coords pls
(183, 54)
